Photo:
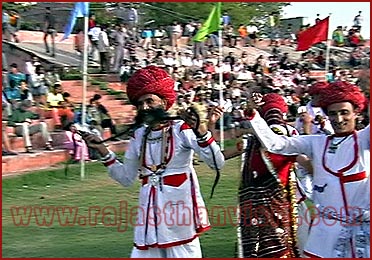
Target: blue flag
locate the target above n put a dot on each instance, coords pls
(81, 9)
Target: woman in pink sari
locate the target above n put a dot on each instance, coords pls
(75, 144)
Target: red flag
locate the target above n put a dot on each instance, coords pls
(314, 34)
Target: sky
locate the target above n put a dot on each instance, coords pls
(342, 13)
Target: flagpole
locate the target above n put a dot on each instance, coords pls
(221, 90)
(85, 79)
(327, 57)
(328, 52)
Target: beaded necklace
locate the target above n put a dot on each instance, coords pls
(166, 152)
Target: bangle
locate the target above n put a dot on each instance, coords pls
(204, 138)
(107, 157)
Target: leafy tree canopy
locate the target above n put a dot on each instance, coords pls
(164, 13)
(240, 12)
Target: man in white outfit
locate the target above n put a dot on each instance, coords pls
(171, 208)
(341, 167)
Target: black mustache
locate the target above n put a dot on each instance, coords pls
(149, 117)
(154, 116)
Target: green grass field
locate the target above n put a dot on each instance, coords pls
(97, 238)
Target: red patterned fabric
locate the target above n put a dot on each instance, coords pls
(273, 100)
(151, 80)
(342, 91)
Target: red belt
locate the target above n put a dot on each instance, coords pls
(170, 180)
(353, 177)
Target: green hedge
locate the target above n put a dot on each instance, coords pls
(95, 82)
(72, 77)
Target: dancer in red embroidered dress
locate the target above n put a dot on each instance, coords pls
(267, 200)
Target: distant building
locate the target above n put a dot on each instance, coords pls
(295, 22)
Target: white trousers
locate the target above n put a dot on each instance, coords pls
(26, 130)
(189, 250)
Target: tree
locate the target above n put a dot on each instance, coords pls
(165, 13)
(17, 6)
(99, 10)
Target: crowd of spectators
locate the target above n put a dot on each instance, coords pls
(196, 69)
(343, 37)
(32, 96)
(115, 46)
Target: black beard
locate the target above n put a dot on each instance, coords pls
(151, 116)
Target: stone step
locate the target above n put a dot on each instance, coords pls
(76, 92)
(31, 162)
(107, 101)
(72, 83)
(50, 123)
(106, 77)
(45, 159)
(37, 141)
(119, 86)
(38, 36)
(68, 84)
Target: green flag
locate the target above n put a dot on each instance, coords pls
(212, 24)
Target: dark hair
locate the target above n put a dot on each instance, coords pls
(67, 126)
(97, 96)
(14, 65)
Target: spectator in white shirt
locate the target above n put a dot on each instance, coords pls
(160, 35)
(252, 31)
(226, 67)
(244, 75)
(189, 31)
(176, 35)
(94, 34)
(236, 92)
(213, 58)
(186, 59)
(103, 46)
(169, 59)
(198, 62)
(238, 66)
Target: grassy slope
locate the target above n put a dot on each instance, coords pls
(53, 188)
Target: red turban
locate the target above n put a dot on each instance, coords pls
(342, 91)
(317, 87)
(273, 100)
(151, 80)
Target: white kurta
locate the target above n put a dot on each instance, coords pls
(329, 237)
(168, 215)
